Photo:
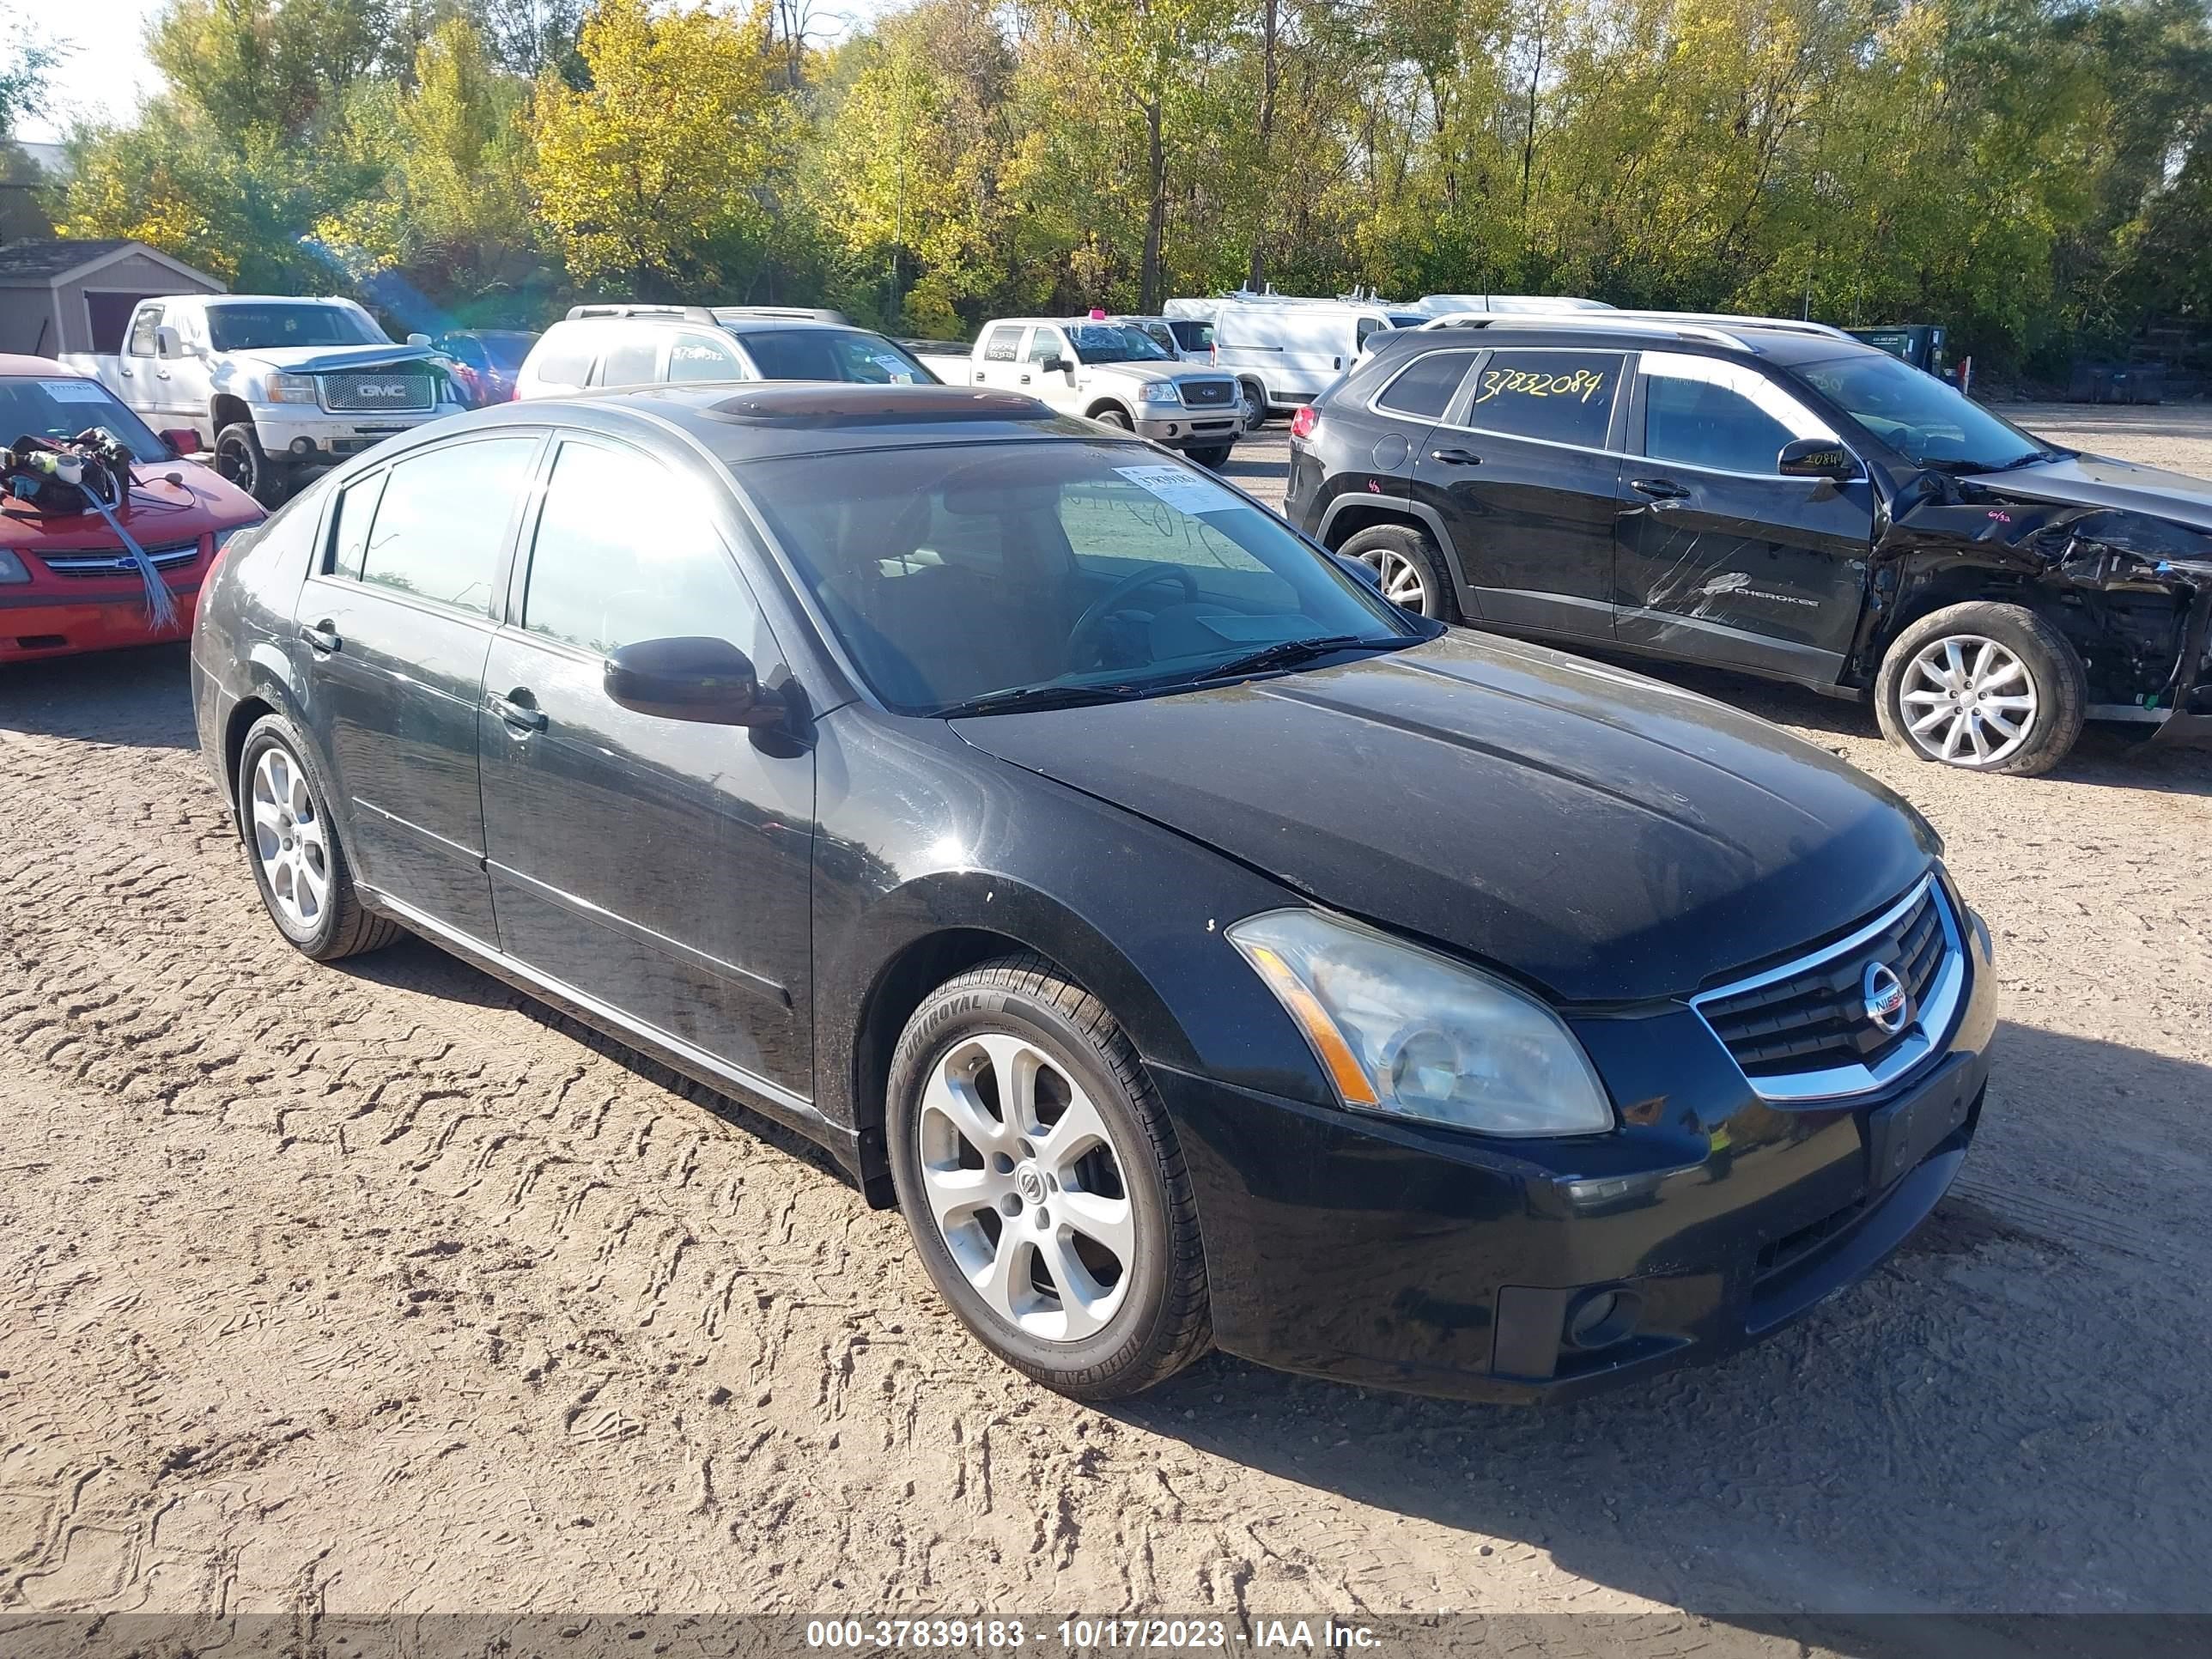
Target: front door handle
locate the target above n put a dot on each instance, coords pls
(1456, 456)
(1659, 489)
(519, 715)
(1025, 379)
(322, 637)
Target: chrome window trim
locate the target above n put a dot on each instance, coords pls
(1932, 1020)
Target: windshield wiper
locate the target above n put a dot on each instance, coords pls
(1287, 653)
(1043, 696)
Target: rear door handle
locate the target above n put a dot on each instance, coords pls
(322, 637)
(1659, 489)
(1456, 456)
(519, 715)
(1025, 379)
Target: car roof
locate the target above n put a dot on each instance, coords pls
(756, 420)
(1777, 339)
(43, 366)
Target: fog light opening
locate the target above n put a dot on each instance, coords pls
(303, 448)
(1600, 1318)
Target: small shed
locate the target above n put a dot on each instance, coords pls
(59, 297)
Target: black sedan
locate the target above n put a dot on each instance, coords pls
(1197, 949)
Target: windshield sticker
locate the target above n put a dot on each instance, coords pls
(1582, 383)
(75, 392)
(1186, 492)
(901, 374)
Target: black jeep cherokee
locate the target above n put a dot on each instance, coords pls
(1778, 498)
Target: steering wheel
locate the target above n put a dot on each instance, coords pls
(1142, 577)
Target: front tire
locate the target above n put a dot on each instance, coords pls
(1041, 1179)
(1252, 405)
(1410, 567)
(240, 457)
(306, 884)
(1115, 418)
(1983, 686)
(1212, 457)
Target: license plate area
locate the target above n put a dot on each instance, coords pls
(1900, 1136)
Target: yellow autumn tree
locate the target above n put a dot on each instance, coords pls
(656, 177)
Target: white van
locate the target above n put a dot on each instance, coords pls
(1283, 350)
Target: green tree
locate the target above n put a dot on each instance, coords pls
(659, 173)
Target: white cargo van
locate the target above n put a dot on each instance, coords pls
(1284, 350)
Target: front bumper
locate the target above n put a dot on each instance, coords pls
(311, 436)
(1356, 1248)
(43, 623)
(1188, 429)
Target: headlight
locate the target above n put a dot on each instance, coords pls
(289, 389)
(1403, 1030)
(1158, 392)
(12, 569)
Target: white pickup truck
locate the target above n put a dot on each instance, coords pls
(1112, 373)
(274, 387)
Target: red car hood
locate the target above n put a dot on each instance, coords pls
(159, 513)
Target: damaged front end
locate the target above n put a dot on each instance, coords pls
(2131, 590)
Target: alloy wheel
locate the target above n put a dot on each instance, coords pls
(288, 839)
(1967, 700)
(233, 465)
(1400, 578)
(1026, 1186)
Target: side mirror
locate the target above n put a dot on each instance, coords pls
(707, 680)
(1057, 366)
(418, 339)
(165, 342)
(182, 439)
(1816, 457)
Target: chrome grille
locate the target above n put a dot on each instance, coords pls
(377, 390)
(1201, 393)
(114, 562)
(1802, 1031)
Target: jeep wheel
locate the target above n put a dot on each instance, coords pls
(1408, 568)
(240, 460)
(1987, 687)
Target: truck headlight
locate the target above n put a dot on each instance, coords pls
(13, 571)
(1158, 392)
(1403, 1030)
(288, 389)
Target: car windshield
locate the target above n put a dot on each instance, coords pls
(1928, 422)
(35, 406)
(259, 328)
(834, 353)
(1037, 572)
(1113, 342)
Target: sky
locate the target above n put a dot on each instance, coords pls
(105, 73)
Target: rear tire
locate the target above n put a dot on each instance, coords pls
(1410, 567)
(1214, 456)
(240, 457)
(1041, 1179)
(292, 845)
(1984, 687)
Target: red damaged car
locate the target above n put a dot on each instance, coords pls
(68, 580)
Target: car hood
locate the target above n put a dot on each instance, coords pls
(2100, 481)
(159, 513)
(1608, 837)
(1168, 371)
(313, 360)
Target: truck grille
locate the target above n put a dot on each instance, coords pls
(377, 390)
(114, 562)
(1804, 1030)
(1201, 393)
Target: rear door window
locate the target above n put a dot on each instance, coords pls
(1425, 387)
(631, 359)
(1560, 397)
(442, 523)
(565, 359)
(1003, 344)
(703, 357)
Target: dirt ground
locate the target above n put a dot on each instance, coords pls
(378, 1288)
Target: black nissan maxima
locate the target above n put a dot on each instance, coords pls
(1196, 949)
